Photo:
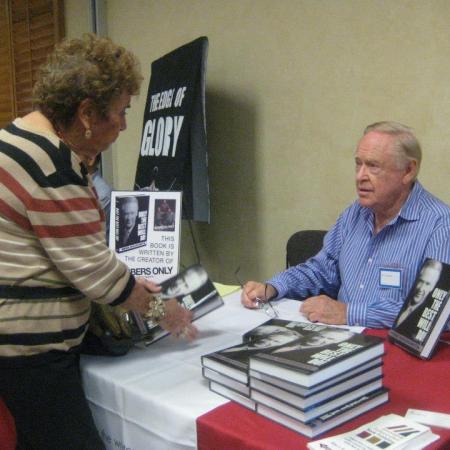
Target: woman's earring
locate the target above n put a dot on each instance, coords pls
(88, 133)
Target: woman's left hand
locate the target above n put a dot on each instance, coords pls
(140, 296)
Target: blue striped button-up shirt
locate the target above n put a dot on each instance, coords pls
(349, 266)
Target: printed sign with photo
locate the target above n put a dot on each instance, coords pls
(145, 232)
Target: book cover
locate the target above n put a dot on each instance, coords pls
(329, 420)
(425, 312)
(131, 218)
(234, 360)
(192, 288)
(307, 353)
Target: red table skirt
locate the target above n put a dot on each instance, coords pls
(413, 383)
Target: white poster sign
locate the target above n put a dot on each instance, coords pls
(145, 232)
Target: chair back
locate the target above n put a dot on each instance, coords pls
(302, 245)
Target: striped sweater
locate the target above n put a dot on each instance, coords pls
(52, 246)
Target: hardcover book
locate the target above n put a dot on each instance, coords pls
(308, 414)
(373, 376)
(308, 354)
(425, 312)
(212, 375)
(329, 420)
(231, 394)
(364, 372)
(192, 288)
(231, 362)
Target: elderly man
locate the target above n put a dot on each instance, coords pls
(371, 256)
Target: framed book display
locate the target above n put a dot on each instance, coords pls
(144, 231)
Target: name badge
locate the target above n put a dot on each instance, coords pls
(391, 278)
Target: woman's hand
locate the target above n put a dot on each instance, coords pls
(177, 320)
(141, 295)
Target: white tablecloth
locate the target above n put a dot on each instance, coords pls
(149, 399)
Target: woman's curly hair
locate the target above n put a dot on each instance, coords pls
(90, 67)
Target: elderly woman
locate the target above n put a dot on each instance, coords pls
(54, 260)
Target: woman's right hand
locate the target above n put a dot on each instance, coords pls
(177, 320)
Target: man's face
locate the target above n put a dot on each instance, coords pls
(130, 212)
(326, 337)
(273, 336)
(189, 282)
(381, 182)
(426, 282)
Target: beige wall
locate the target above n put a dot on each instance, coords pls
(77, 17)
(290, 86)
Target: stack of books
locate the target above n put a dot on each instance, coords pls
(227, 372)
(308, 377)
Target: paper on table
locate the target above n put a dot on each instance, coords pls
(225, 289)
(289, 310)
(429, 418)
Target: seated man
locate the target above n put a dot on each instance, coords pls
(371, 256)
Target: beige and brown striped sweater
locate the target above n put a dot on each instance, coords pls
(53, 256)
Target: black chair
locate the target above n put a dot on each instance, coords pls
(302, 245)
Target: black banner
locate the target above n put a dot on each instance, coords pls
(173, 153)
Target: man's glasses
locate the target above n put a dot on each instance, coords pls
(261, 303)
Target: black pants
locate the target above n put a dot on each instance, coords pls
(49, 406)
